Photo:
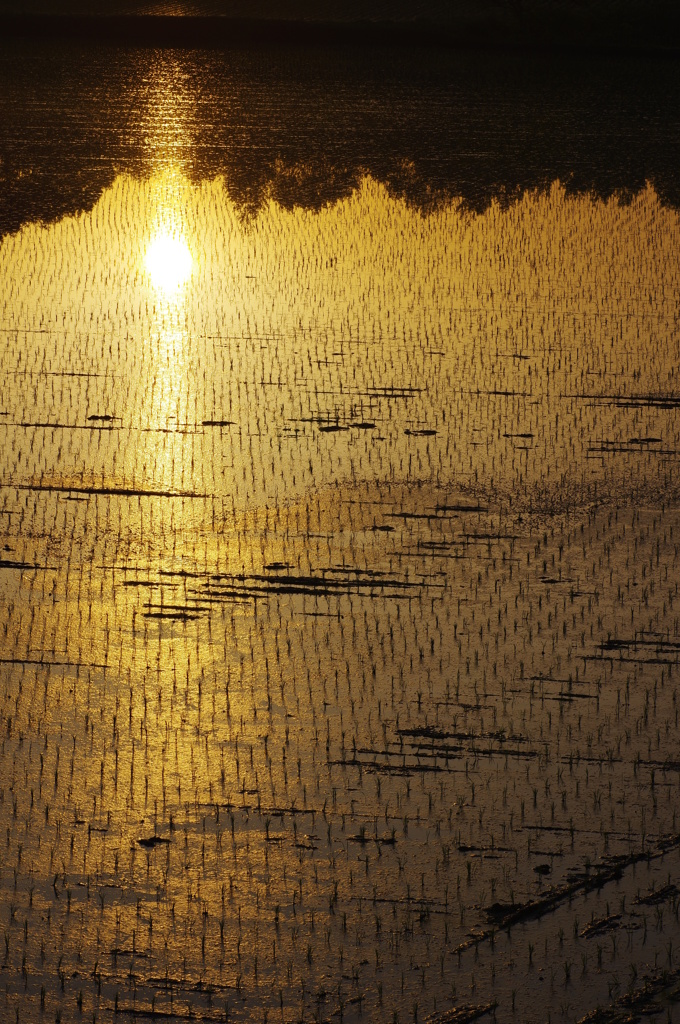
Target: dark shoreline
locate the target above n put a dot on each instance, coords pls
(591, 34)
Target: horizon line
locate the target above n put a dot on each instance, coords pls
(561, 34)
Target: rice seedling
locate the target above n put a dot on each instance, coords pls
(339, 649)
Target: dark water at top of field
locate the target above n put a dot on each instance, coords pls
(305, 126)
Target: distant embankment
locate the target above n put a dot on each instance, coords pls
(585, 29)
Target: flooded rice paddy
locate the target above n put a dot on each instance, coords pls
(339, 581)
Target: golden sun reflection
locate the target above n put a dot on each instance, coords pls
(168, 261)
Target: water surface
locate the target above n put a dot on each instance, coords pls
(340, 533)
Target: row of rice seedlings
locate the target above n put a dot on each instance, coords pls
(331, 641)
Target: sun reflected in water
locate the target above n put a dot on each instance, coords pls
(168, 262)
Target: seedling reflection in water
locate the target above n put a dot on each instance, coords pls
(365, 607)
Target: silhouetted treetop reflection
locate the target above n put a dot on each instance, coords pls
(304, 127)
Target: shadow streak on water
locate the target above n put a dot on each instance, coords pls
(304, 127)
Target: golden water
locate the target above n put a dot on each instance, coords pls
(340, 560)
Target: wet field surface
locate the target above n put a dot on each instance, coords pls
(339, 568)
